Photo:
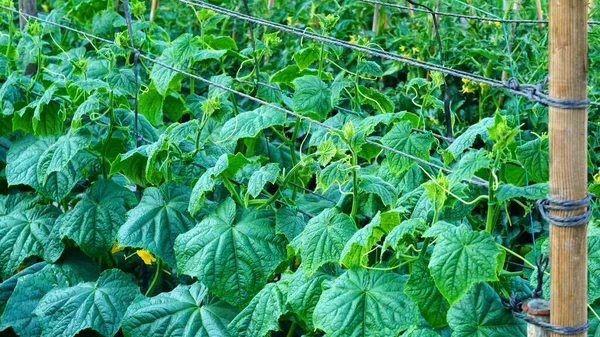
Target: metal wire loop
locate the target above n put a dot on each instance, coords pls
(551, 204)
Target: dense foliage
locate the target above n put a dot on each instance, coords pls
(220, 216)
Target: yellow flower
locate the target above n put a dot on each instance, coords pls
(467, 90)
(146, 256)
(482, 85)
(597, 178)
(365, 40)
(497, 24)
(289, 20)
(353, 39)
(465, 81)
(415, 50)
(402, 48)
(406, 54)
(116, 248)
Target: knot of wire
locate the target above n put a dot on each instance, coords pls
(536, 93)
(548, 204)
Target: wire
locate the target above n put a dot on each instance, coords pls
(462, 16)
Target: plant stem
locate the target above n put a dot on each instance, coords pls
(156, 277)
(293, 150)
(489, 226)
(232, 191)
(111, 129)
(292, 330)
(321, 57)
(354, 187)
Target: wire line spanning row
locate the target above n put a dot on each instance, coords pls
(475, 180)
(463, 16)
(529, 91)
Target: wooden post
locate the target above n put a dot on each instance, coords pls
(540, 12)
(376, 11)
(271, 4)
(568, 69)
(539, 310)
(153, 10)
(28, 7)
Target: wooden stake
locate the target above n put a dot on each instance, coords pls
(271, 4)
(568, 69)
(153, 10)
(540, 12)
(375, 28)
(28, 7)
(538, 309)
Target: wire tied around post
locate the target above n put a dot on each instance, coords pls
(551, 204)
(536, 93)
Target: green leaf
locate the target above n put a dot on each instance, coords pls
(421, 288)
(59, 155)
(262, 314)
(162, 77)
(531, 192)
(312, 97)
(401, 139)
(375, 185)
(357, 248)
(158, 219)
(250, 123)
(481, 314)
(29, 233)
(535, 157)
(258, 179)
(29, 291)
(403, 233)
(305, 292)
(226, 167)
(365, 303)
(422, 333)
(151, 106)
(469, 164)
(89, 106)
(232, 253)
(223, 80)
(186, 311)
(593, 268)
(438, 228)
(8, 285)
(185, 47)
(99, 306)
(377, 100)
(306, 57)
(122, 81)
(466, 140)
(370, 68)
(95, 221)
(461, 259)
(289, 222)
(324, 238)
(335, 173)
(288, 74)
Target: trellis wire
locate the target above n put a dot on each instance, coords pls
(463, 16)
(532, 92)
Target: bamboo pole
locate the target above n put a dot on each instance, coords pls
(153, 8)
(271, 4)
(376, 11)
(568, 68)
(27, 7)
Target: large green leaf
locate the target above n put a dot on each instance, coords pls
(305, 292)
(29, 291)
(29, 233)
(461, 259)
(593, 268)
(324, 238)
(289, 222)
(258, 179)
(402, 139)
(335, 173)
(186, 311)
(469, 164)
(466, 140)
(250, 123)
(151, 106)
(100, 306)
(158, 219)
(262, 314)
(535, 157)
(356, 250)
(365, 303)
(95, 221)
(481, 314)
(421, 288)
(8, 285)
(312, 97)
(232, 253)
(375, 185)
